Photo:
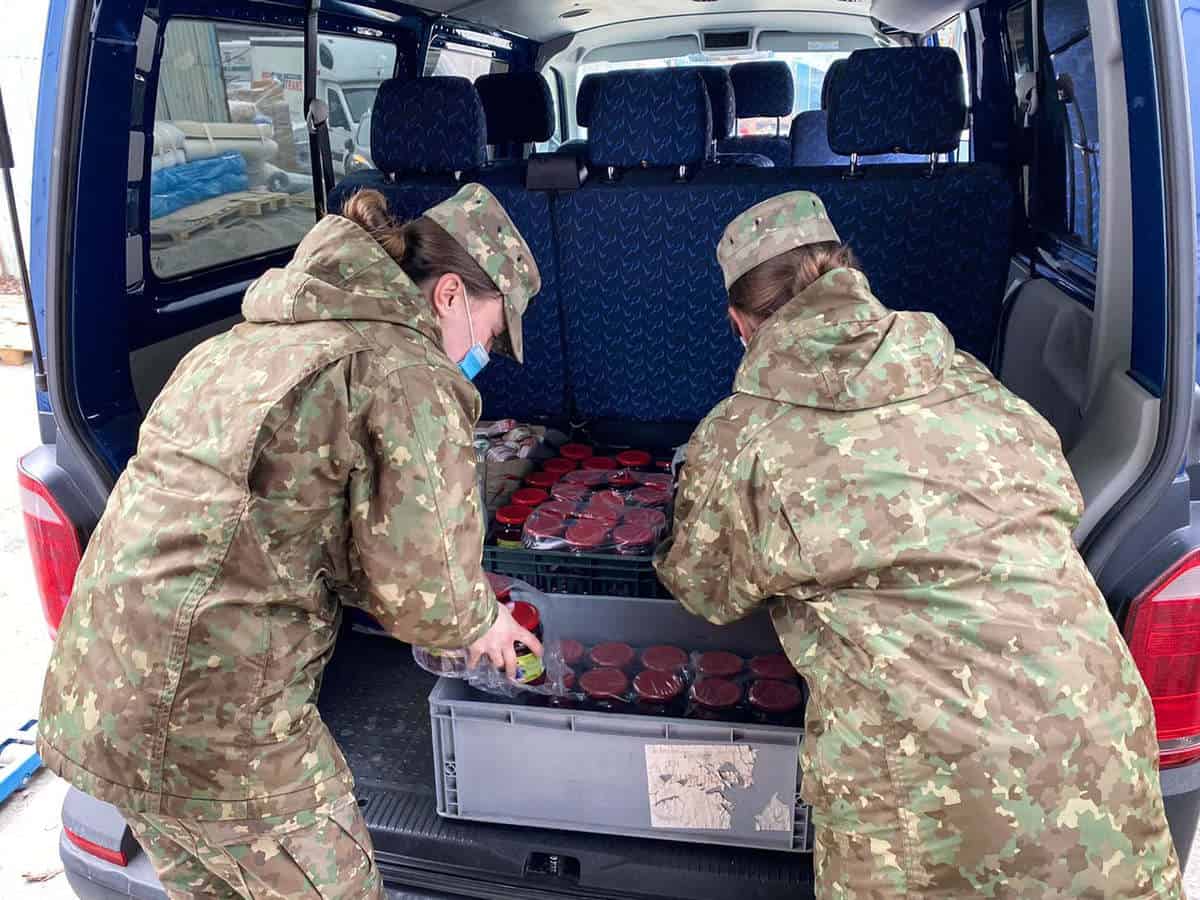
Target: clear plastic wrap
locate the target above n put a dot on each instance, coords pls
(596, 511)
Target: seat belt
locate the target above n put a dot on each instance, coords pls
(316, 114)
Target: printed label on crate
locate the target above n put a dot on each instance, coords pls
(776, 816)
(689, 785)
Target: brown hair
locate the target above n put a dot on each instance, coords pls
(768, 286)
(422, 247)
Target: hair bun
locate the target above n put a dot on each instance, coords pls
(368, 208)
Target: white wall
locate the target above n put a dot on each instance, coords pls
(21, 37)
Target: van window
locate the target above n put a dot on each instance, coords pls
(231, 176)
(551, 145)
(449, 58)
(1073, 121)
(953, 34)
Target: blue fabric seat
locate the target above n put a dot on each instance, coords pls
(724, 118)
(429, 136)
(762, 90)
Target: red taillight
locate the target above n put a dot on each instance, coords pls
(116, 857)
(1164, 635)
(53, 544)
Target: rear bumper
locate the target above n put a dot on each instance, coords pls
(1181, 794)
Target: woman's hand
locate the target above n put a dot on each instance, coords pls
(497, 644)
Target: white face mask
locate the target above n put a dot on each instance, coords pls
(477, 356)
(745, 343)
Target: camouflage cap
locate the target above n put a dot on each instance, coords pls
(770, 228)
(475, 218)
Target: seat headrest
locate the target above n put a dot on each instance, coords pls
(720, 97)
(518, 107)
(763, 89)
(897, 100)
(832, 72)
(810, 144)
(429, 125)
(585, 100)
(650, 118)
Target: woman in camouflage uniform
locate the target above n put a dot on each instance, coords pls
(319, 453)
(976, 725)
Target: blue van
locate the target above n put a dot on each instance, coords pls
(183, 148)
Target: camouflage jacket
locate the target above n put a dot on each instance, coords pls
(320, 452)
(976, 723)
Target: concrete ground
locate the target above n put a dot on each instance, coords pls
(29, 821)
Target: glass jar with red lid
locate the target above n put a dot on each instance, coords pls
(502, 586)
(715, 699)
(664, 658)
(601, 515)
(571, 651)
(656, 480)
(633, 540)
(567, 492)
(605, 689)
(774, 666)
(604, 463)
(589, 478)
(586, 536)
(544, 531)
(577, 453)
(560, 466)
(560, 508)
(652, 497)
(622, 480)
(654, 519)
(570, 684)
(634, 459)
(612, 655)
(528, 496)
(543, 481)
(611, 499)
(658, 693)
(530, 670)
(510, 525)
(776, 702)
(719, 664)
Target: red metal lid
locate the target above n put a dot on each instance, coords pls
(604, 684)
(720, 664)
(560, 508)
(614, 654)
(513, 515)
(634, 459)
(658, 686)
(717, 693)
(572, 651)
(599, 462)
(622, 480)
(633, 536)
(501, 585)
(526, 615)
(610, 499)
(775, 697)
(570, 493)
(545, 525)
(542, 480)
(651, 496)
(560, 466)
(587, 535)
(654, 519)
(664, 658)
(591, 478)
(575, 452)
(653, 479)
(529, 497)
(773, 665)
(601, 515)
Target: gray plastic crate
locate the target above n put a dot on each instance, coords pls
(588, 771)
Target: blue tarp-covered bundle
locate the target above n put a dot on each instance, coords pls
(174, 188)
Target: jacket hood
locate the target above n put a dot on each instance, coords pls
(835, 346)
(340, 272)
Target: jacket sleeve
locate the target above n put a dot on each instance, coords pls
(417, 527)
(732, 548)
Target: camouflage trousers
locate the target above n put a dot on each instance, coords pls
(319, 854)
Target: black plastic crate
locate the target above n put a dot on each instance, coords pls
(594, 574)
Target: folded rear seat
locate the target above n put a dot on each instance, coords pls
(762, 89)
(428, 138)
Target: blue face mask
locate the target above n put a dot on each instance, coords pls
(477, 357)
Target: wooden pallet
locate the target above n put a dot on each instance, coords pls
(183, 223)
(15, 339)
(11, 357)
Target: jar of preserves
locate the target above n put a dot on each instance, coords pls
(654, 519)
(776, 702)
(587, 536)
(601, 515)
(605, 689)
(656, 480)
(560, 466)
(570, 493)
(633, 540)
(544, 531)
(589, 478)
(571, 651)
(530, 669)
(651, 497)
(612, 655)
(719, 664)
(611, 499)
(510, 525)
(543, 481)
(664, 658)
(531, 497)
(622, 480)
(577, 453)
(634, 459)
(558, 508)
(658, 693)
(773, 666)
(604, 463)
(715, 699)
